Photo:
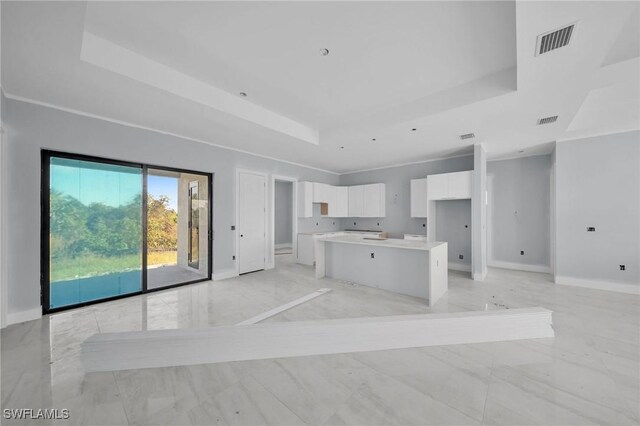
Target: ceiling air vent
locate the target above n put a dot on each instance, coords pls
(547, 120)
(467, 136)
(555, 39)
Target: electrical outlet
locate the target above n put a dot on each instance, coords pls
(372, 255)
(466, 226)
(424, 225)
(591, 229)
(233, 258)
(623, 267)
(460, 257)
(354, 223)
(233, 227)
(316, 223)
(521, 252)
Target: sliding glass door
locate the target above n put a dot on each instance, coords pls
(114, 228)
(95, 231)
(177, 227)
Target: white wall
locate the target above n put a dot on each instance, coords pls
(30, 128)
(454, 227)
(598, 185)
(519, 213)
(283, 212)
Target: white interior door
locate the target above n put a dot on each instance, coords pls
(251, 227)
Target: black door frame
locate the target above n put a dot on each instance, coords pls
(45, 208)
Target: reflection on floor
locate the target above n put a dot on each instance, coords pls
(587, 374)
(163, 276)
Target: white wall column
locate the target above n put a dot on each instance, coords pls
(479, 214)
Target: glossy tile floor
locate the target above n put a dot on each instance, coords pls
(588, 374)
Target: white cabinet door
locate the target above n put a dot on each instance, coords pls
(320, 192)
(305, 199)
(438, 187)
(356, 201)
(419, 197)
(374, 200)
(305, 249)
(339, 203)
(460, 185)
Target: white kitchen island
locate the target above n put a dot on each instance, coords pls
(414, 268)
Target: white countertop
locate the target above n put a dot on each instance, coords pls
(339, 230)
(390, 242)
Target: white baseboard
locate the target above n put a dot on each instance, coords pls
(481, 276)
(23, 316)
(599, 285)
(223, 275)
(457, 266)
(520, 266)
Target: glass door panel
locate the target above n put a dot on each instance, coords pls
(177, 227)
(95, 231)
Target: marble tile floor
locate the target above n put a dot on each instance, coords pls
(588, 374)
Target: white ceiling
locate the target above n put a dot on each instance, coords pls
(444, 68)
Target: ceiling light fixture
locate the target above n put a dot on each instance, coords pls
(243, 94)
(324, 51)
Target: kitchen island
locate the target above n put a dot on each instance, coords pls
(414, 268)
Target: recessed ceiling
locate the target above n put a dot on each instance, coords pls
(445, 68)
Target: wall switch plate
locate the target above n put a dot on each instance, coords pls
(372, 255)
(623, 267)
(591, 229)
(233, 258)
(424, 225)
(521, 252)
(466, 226)
(233, 227)
(460, 256)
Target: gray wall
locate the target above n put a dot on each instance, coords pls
(519, 212)
(30, 128)
(318, 223)
(598, 184)
(283, 212)
(398, 220)
(454, 227)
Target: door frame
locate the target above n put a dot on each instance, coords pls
(45, 284)
(294, 217)
(237, 218)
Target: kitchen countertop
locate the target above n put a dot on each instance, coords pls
(390, 242)
(338, 230)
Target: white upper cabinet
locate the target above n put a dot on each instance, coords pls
(374, 200)
(438, 186)
(321, 192)
(305, 199)
(342, 201)
(460, 185)
(356, 201)
(419, 197)
(339, 201)
(449, 186)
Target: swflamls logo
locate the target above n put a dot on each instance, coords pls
(35, 414)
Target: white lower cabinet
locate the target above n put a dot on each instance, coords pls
(305, 254)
